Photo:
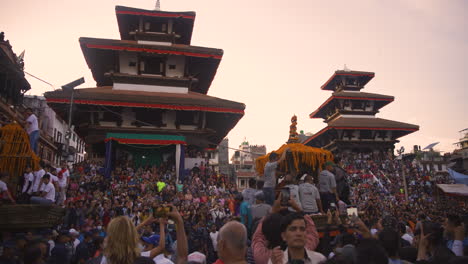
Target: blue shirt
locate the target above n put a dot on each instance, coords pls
(245, 212)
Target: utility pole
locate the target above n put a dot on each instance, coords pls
(70, 87)
(403, 174)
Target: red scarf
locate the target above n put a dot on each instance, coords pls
(60, 174)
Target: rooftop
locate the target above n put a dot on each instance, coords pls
(107, 96)
(361, 76)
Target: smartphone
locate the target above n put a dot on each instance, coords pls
(351, 211)
(161, 211)
(285, 196)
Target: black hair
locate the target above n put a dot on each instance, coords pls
(454, 219)
(273, 156)
(459, 260)
(390, 241)
(369, 251)
(271, 225)
(348, 239)
(260, 184)
(46, 176)
(339, 259)
(401, 228)
(435, 230)
(421, 217)
(252, 183)
(288, 219)
(409, 254)
(32, 254)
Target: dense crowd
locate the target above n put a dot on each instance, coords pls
(146, 213)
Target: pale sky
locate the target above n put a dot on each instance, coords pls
(277, 54)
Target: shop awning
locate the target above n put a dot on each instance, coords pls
(146, 139)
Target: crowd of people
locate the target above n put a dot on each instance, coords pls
(148, 215)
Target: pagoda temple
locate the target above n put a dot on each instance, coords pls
(350, 117)
(152, 87)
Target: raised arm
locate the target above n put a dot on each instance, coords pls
(162, 240)
(148, 220)
(312, 236)
(182, 244)
(283, 156)
(260, 249)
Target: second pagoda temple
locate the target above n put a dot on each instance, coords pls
(152, 87)
(350, 117)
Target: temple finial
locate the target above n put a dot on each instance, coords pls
(158, 5)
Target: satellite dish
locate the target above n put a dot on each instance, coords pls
(21, 56)
(430, 146)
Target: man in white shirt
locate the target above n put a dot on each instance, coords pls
(260, 208)
(54, 179)
(249, 193)
(74, 234)
(28, 181)
(327, 186)
(214, 237)
(4, 193)
(310, 196)
(62, 173)
(293, 191)
(32, 127)
(37, 178)
(47, 192)
(269, 174)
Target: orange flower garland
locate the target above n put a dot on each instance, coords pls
(302, 155)
(15, 152)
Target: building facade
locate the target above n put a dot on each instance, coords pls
(243, 162)
(52, 128)
(460, 155)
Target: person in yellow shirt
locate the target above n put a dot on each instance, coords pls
(160, 185)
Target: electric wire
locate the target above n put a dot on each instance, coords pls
(51, 85)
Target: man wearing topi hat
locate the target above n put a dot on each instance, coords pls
(327, 186)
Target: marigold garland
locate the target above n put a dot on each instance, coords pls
(15, 153)
(302, 156)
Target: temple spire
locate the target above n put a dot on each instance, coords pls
(293, 136)
(158, 5)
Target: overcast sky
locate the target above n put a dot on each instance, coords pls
(277, 54)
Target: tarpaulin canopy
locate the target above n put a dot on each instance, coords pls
(454, 189)
(458, 177)
(146, 139)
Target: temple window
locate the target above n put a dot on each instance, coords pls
(152, 65)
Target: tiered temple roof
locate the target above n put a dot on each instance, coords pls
(350, 116)
(155, 72)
